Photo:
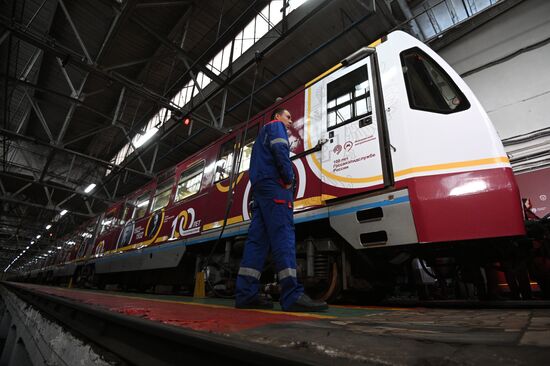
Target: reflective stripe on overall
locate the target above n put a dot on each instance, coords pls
(272, 227)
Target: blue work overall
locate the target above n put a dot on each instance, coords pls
(272, 225)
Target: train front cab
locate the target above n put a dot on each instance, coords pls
(423, 148)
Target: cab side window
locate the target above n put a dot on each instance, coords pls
(429, 87)
(162, 195)
(141, 204)
(348, 98)
(224, 164)
(250, 137)
(190, 182)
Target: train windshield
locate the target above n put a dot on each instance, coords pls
(429, 87)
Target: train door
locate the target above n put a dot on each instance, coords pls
(352, 154)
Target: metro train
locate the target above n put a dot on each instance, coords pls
(402, 182)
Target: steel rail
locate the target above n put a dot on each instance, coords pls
(144, 342)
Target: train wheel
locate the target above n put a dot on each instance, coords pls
(334, 286)
(328, 290)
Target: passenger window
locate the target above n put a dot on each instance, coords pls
(225, 161)
(190, 182)
(247, 148)
(141, 205)
(348, 98)
(429, 88)
(108, 222)
(162, 195)
(128, 212)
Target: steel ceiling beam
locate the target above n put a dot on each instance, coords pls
(61, 51)
(181, 52)
(4, 36)
(120, 15)
(47, 44)
(172, 46)
(128, 64)
(73, 27)
(250, 63)
(88, 134)
(226, 36)
(61, 147)
(30, 64)
(20, 190)
(35, 14)
(40, 116)
(72, 152)
(67, 78)
(133, 147)
(76, 94)
(53, 186)
(34, 171)
(183, 55)
(36, 205)
(162, 4)
(60, 95)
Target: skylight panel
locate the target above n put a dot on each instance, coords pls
(264, 21)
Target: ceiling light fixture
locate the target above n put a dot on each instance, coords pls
(90, 188)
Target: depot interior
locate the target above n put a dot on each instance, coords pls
(93, 111)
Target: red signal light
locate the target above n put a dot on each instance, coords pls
(187, 121)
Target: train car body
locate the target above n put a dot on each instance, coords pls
(392, 153)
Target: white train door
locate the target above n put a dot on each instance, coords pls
(343, 108)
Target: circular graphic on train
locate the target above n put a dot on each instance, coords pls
(125, 235)
(153, 225)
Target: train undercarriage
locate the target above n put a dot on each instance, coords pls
(330, 269)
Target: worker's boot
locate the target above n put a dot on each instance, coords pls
(306, 304)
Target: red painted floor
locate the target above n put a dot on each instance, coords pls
(210, 318)
(350, 335)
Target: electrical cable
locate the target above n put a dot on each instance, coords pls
(232, 177)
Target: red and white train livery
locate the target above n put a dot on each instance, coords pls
(395, 159)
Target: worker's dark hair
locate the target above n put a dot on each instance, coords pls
(278, 110)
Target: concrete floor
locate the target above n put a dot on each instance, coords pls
(353, 335)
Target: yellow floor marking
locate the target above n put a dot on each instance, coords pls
(304, 315)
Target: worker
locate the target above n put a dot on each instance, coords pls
(272, 225)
